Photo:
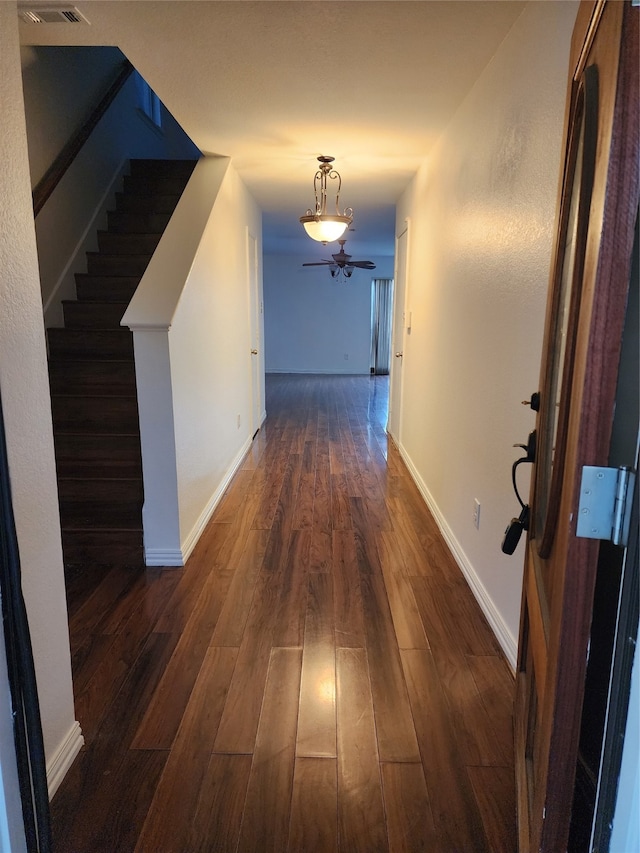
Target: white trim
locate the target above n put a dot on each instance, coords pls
(504, 636)
(163, 557)
(319, 372)
(88, 235)
(60, 763)
(196, 532)
(178, 557)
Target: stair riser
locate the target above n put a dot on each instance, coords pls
(93, 456)
(93, 315)
(96, 415)
(129, 265)
(100, 515)
(92, 377)
(105, 288)
(151, 204)
(137, 223)
(127, 244)
(90, 344)
(88, 490)
(153, 186)
(103, 547)
(150, 168)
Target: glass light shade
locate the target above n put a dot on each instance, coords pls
(325, 228)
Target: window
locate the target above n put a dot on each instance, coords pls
(148, 101)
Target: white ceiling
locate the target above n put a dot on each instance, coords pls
(274, 84)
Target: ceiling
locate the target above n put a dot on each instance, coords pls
(275, 84)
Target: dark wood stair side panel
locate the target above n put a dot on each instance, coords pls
(98, 456)
(82, 376)
(97, 415)
(99, 263)
(90, 344)
(152, 204)
(93, 315)
(110, 243)
(103, 547)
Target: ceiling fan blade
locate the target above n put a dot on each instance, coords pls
(363, 265)
(318, 264)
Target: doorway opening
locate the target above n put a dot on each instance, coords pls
(381, 325)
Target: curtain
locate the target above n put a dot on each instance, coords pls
(381, 315)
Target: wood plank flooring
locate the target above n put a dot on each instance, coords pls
(318, 677)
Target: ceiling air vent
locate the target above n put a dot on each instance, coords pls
(53, 15)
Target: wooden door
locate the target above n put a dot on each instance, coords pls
(397, 338)
(585, 315)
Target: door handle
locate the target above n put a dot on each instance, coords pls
(517, 525)
(254, 352)
(399, 354)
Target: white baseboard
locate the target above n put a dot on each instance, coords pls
(196, 532)
(346, 372)
(507, 641)
(60, 763)
(171, 557)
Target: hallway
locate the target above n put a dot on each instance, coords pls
(319, 676)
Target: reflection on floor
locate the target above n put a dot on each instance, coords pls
(319, 676)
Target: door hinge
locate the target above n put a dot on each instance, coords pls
(604, 511)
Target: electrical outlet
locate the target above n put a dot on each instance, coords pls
(476, 513)
(238, 421)
(346, 356)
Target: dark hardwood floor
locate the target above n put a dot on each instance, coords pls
(317, 678)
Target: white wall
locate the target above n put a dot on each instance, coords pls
(482, 214)
(311, 320)
(61, 86)
(27, 411)
(190, 317)
(210, 346)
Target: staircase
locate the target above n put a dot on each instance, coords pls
(92, 376)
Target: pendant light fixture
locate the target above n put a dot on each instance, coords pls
(320, 225)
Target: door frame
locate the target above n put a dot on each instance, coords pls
(256, 356)
(396, 371)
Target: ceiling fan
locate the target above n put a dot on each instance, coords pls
(342, 263)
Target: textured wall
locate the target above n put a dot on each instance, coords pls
(481, 216)
(25, 399)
